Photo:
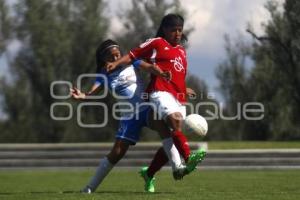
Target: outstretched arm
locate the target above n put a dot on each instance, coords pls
(125, 60)
(77, 94)
(154, 69)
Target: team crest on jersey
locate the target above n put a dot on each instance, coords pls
(178, 64)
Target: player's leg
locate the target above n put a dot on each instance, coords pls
(173, 113)
(106, 164)
(192, 160)
(181, 143)
(161, 104)
(168, 145)
(128, 134)
(160, 158)
(174, 120)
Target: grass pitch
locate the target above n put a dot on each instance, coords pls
(126, 184)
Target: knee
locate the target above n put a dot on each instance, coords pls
(116, 154)
(178, 126)
(176, 122)
(114, 157)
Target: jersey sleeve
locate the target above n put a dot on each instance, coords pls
(99, 79)
(144, 51)
(136, 63)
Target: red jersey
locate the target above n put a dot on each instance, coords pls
(168, 58)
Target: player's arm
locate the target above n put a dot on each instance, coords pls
(77, 94)
(125, 60)
(94, 87)
(143, 51)
(153, 68)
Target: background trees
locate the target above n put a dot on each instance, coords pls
(273, 80)
(58, 41)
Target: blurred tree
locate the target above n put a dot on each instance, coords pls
(273, 81)
(277, 71)
(142, 20)
(4, 26)
(58, 40)
(235, 86)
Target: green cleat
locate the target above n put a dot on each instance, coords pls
(149, 182)
(194, 159)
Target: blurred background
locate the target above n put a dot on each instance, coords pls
(238, 52)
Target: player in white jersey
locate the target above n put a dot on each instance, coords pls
(124, 83)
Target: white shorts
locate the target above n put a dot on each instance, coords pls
(165, 104)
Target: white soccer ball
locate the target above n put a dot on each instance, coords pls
(195, 124)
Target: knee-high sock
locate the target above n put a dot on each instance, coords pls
(172, 153)
(181, 144)
(160, 158)
(103, 169)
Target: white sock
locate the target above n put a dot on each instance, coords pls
(172, 153)
(103, 169)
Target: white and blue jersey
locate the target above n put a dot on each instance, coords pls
(127, 88)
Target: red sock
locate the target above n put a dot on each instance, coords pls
(181, 144)
(159, 160)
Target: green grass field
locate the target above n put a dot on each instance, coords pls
(126, 184)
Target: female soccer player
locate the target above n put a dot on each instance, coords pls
(168, 96)
(124, 83)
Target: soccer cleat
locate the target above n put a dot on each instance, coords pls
(194, 159)
(149, 182)
(86, 190)
(179, 172)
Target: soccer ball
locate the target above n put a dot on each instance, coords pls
(195, 124)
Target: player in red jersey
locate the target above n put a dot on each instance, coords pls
(168, 97)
